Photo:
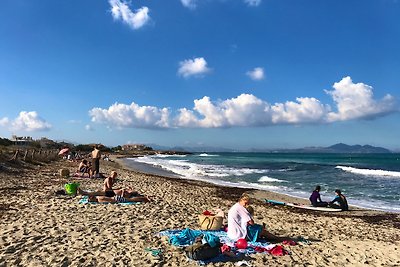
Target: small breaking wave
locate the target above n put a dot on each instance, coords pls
(369, 172)
(267, 179)
(207, 155)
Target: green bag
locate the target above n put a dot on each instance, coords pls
(71, 188)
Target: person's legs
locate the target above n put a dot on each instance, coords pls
(331, 205)
(138, 199)
(321, 204)
(104, 199)
(79, 191)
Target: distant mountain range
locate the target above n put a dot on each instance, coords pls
(337, 148)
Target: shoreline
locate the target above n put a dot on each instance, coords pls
(40, 228)
(260, 194)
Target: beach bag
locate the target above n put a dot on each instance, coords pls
(71, 188)
(200, 251)
(210, 222)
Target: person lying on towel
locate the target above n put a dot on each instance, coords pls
(117, 199)
(109, 191)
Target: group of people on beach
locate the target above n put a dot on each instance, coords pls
(92, 168)
(241, 222)
(316, 201)
(241, 217)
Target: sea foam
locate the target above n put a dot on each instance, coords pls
(369, 172)
(267, 179)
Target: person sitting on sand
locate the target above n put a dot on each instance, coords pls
(341, 199)
(84, 168)
(108, 189)
(117, 199)
(241, 224)
(315, 198)
(108, 184)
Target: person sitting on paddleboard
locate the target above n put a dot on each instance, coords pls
(315, 198)
(341, 199)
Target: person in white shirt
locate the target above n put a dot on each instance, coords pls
(241, 223)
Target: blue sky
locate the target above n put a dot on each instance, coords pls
(227, 73)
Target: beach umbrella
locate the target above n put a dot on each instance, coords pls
(63, 151)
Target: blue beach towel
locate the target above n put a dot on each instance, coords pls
(85, 200)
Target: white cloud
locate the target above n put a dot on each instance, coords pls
(253, 2)
(29, 121)
(305, 110)
(193, 67)
(245, 110)
(256, 74)
(120, 11)
(189, 3)
(131, 116)
(88, 127)
(4, 121)
(353, 101)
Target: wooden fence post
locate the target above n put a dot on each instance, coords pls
(14, 158)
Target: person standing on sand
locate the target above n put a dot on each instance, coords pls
(96, 155)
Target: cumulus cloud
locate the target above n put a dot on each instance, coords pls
(120, 11)
(256, 74)
(253, 2)
(4, 121)
(193, 67)
(26, 121)
(131, 116)
(189, 3)
(245, 110)
(355, 101)
(352, 101)
(305, 110)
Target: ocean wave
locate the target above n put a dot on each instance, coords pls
(169, 156)
(190, 169)
(207, 155)
(267, 179)
(369, 172)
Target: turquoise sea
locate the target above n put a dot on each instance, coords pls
(368, 180)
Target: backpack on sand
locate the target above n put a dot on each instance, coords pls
(199, 251)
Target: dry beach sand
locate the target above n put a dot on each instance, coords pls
(40, 228)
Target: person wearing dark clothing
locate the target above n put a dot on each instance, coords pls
(315, 198)
(341, 200)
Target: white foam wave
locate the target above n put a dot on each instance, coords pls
(169, 156)
(189, 169)
(207, 155)
(267, 179)
(369, 172)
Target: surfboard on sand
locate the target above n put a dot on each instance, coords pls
(301, 206)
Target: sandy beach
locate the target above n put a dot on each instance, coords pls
(40, 228)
